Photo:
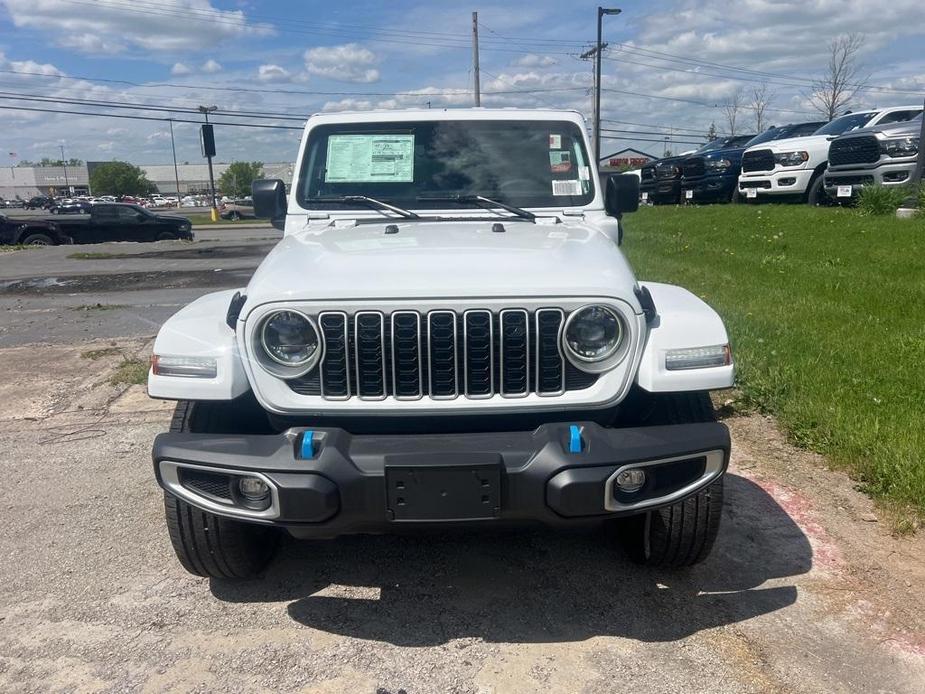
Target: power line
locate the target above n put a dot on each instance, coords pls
(653, 125)
(646, 139)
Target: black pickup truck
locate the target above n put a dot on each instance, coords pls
(121, 222)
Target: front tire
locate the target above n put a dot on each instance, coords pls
(817, 197)
(682, 534)
(206, 544)
(38, 240)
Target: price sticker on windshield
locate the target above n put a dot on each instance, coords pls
(844, 191)
(751, 192)
(689, 194)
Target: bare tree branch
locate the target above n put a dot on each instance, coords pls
(731, 107)
(761, 98)
(843, 77)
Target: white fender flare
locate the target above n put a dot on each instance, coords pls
(199, 331)
(683, 321)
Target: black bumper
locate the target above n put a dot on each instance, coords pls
(662, 191)
(718, 188)
(355, 484)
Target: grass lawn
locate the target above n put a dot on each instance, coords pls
(826, 313)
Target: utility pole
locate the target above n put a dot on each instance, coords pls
(477, 92)
(588, 55)
(64, 164)
(208, 152)
(176, 171)
(601, 11)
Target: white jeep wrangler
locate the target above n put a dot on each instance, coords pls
(447, 336)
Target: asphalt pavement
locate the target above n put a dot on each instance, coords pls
(58, 294)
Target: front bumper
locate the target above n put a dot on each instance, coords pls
(889, 174)
(783, 182)
(666, 191)
(356, 484)
(709, 188)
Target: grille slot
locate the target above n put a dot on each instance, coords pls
(334, 369)
(759, 160)
(442, 355)
(208, 483)
(864, 149)
(550, 370)
(479, 353)
(515, 352)
(407, 374)
(369, 335)
(693, 167)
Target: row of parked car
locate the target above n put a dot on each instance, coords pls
(819, 163)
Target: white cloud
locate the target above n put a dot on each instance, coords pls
(534, 60)
(180, 69)
(273, 73)
(210, 67)
(108, 26)
(349, 105)
(348, 63)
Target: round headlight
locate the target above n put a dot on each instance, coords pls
(289, 338)
(593, 333)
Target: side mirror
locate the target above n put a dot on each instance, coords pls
(621, 195)
(269, 199)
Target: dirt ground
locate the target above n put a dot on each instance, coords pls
(805, 591)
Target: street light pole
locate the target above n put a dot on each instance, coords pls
(176, 171)
(67, 184)
(206, 110)
(601, 11)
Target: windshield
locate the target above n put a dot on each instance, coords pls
(724, 143)
(521, 163)
(784, 132)
(841, 125)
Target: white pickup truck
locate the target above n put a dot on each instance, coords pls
(795, 166)
(447, 335)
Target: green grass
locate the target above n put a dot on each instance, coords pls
(130, 372)
(826, 312)
(95, 354)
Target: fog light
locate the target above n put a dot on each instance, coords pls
(253, 488)
(630, 480)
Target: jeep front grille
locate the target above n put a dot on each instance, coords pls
(863, 149)
(759, 160)
(441, 354)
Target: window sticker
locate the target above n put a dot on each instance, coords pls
(560, 160)
(370, 158)
(568, 187)
(555, 142)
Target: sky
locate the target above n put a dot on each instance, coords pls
(668, 68)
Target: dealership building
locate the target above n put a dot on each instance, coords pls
(625, 159)
(24, 182)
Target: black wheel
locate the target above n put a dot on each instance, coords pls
(681, 534)
(816, 195)
(38, 240)
(735, 198)
(234, 216)
(206, 544)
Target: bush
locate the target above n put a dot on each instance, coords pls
(882, 200)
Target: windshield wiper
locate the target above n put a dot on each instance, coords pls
(369, 202)
(481, 201)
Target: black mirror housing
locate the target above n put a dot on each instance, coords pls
(621, 194)
(269, 198)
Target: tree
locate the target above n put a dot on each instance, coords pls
(761, 99)
(842, 79)
(237, 178)
(711, 133)
(120, 178)
(731, 107)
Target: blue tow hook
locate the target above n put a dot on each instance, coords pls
(308, 445)
(574, 441)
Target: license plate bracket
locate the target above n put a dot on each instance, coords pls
(443, 488)
(843, 192)
(751, 193)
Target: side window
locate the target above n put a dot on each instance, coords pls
(105, 213)
(899, 116)
(127, 214)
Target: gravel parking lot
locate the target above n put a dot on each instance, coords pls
(806, 591)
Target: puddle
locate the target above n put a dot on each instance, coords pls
(128, 281)
(37, 283)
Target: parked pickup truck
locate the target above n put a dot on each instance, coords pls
(883, 155)
(30, 232)
(794, 166)
(448, 335)
(121, 222)
(661, 179)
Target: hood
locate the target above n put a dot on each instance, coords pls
(790, 144)
(172, 218)
(909, 127)
(450, 259)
